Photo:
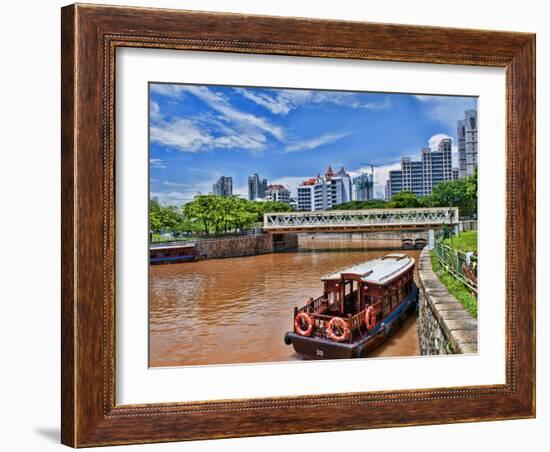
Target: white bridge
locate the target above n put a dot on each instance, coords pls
(361, 220)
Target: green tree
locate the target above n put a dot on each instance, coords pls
(201, 209)
(223, 214)
(155, 223)
(404, 199)
(163, 218)
(461, 193)
(243, 213)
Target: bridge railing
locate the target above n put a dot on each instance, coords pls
(358, 218)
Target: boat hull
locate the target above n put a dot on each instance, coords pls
(321, 348)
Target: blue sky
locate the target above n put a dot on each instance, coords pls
(199, 133)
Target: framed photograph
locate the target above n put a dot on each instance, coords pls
(282, 225)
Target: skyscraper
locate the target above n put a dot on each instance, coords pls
(440, 163)
(363, 187)
(312, 194)
(467, 143)
(461, 137)
(223, 187)
(420, 177)
(412, 176)
(277, 193)
(256, 187)
(339, 186)
(320, 193)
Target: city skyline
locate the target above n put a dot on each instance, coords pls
(200, 133)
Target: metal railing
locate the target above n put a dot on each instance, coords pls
(377, 218)
(468, 225)
(461, 265)
(355, 324)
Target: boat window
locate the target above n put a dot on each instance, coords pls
(408, 285)
(377, 305)
(349, 288)
(334, 297)
(386, 305)
(394, 299)
(368, 300)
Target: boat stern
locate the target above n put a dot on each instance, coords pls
(317, 348)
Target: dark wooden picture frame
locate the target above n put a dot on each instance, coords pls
(90, 36)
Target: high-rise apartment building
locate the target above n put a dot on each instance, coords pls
(420, 177)
(256, 187)
(312, 194)
(321, 193)
(223, 187)
(467, 143)
(339, 185)
(277, 193)
(363, 187)
(437, 165)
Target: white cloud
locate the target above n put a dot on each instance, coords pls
(282, 101)
(314, 143)
(154, 112)
(447, 110)
(181, 134)
(194, 136)
(219, 103)
(157, 163)
(291, 183)
(179, 194)
(226, 127)
(376, 105)
(171, 198)
(424, 98)
(434, 140)
(275, 104)
(240, 190)
(174, 184)
(166, 89)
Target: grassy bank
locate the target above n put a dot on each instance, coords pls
(455, 287)
(465, 241)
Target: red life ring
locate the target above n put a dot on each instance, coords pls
(370, 318)
(299, 322)
(340, 324)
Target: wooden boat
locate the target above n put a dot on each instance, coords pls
(360, 308)
(172, 254)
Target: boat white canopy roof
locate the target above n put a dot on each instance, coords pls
(377, 271)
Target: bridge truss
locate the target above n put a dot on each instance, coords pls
(361, 220)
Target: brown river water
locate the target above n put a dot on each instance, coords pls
(237, 310)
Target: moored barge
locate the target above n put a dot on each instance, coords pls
(172, 254)
(360, 308)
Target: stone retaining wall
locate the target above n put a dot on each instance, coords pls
(248, 245)
(444, 326)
